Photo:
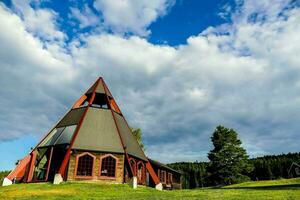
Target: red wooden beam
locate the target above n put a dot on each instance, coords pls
(78, 103)
(32, 165)
(152, 173)
(63, 166)
(148, 165)
(20, 169)
(118, 130)
(49, 162)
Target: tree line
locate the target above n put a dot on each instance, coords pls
(196, 174)
(229, 163)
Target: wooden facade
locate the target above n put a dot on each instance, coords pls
(170, 178)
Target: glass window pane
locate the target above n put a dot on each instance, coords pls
(66, 135)
(52, 137)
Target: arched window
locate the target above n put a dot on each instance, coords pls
(140, 172)
(133, 166)
(85, 164)
(108, 166)
(170, 178)
(162, 176)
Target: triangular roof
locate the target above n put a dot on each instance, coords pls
(95, 123)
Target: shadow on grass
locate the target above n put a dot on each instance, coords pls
(269, 187)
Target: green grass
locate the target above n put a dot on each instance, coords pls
(278, 189)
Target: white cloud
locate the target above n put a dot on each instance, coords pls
(85, 16)
(41, 22)
(134, 16)
(247, 79)
(30, 79)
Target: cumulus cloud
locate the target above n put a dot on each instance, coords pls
(244, 74)
(30, 78)
(41, 22)
(135, 16)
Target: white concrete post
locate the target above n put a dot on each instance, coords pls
(159, 187)
(57, 179)
(134, 182)
(6, 182)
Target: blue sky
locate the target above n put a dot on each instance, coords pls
(176, 68)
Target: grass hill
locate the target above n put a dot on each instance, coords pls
(279, 189)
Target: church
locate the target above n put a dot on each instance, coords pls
(93, 142)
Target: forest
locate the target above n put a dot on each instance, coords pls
(195, 174)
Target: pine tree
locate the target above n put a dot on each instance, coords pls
(229, 161)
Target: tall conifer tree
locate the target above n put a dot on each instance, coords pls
(229, 161)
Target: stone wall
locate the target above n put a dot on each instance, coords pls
(96, 168)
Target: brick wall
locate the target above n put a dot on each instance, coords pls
(96, 167)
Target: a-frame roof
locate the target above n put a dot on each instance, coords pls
(95, 127)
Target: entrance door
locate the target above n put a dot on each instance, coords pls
(57, 158)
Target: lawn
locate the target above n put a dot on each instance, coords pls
(279, 189)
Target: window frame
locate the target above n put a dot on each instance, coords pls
(170, 178)
(143, 171)
(108, 177)
(133, 167)
(164, 173)
(76, 166)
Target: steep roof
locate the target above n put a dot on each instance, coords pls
(100, 126)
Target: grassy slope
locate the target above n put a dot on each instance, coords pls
(279, 189)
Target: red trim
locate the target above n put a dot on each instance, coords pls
(118, 130)
(32, 165)
(63, 166)
(148, 165)
(152, 173)
(141, 180)
(108, 177)
(49, 162)
(76, 166)
(134, 167)
(78, 103)
(20, 169)
(105, 87)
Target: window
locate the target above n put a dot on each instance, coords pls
(170, 178)
(85, 165)
(42, 163)
(162, 176)
(140, 172)
(52, 137)
(66, 136)
(100, 101)
(133, 166)
(60, 135)
(108, 166)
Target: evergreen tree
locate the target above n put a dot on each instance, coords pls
(229, 161)
(137, 133)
